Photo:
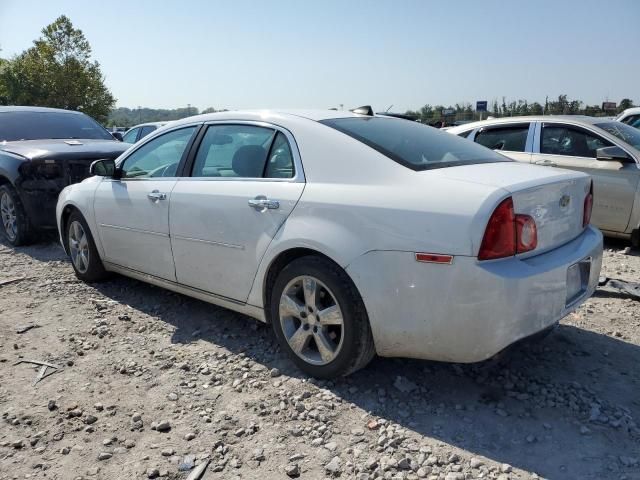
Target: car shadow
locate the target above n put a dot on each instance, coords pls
(545, 406)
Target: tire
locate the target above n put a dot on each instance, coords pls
(14, 223)
(635, 238)
(299, 320)
(82, 250)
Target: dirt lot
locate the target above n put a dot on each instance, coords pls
(153, 383)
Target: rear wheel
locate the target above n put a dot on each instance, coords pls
(15, 224)
(82, 250)
(319, 318)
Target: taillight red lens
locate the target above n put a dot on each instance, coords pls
(500, 235)
(507, 233)
(588, 206)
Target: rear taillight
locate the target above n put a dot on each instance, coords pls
(588, 206)
(507, 233)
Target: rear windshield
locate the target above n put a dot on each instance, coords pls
(44, 125)
(623, 131)
(412, 144)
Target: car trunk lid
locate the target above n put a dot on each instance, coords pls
(553, 197)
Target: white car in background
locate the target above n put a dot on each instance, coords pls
(631, 116)
(607, 150)
(351, 234)
(138, 132)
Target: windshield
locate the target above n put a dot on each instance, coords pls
(412, 144)
(43, 125)
(623, 131)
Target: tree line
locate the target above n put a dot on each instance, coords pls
(563, 105)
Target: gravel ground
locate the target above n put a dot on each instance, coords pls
(153, 383)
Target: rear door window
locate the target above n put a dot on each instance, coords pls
(512, 138)
(567, 140)
(146, 130)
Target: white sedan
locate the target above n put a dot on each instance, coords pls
(352, 234)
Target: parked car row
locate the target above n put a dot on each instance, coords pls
(607, 150)
(308, 219)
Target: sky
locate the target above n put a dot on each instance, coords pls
(326, 53)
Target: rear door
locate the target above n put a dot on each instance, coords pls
(243, 182)
(132, 212)
(614, 183)
(513, 139)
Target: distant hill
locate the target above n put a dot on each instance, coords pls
(127, 117)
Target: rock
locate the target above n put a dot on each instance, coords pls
(104, 456)
(172, 397)
(167, 452)
(163, 426)
(187, 464)
(274, 373)
(129, 443)
(404, 385)
(90, 419)
(454, 476)
(334, 467)
(505, 468)
(17, 444)
(476, 462)
(292, 470)
(258, 454)
(404, 463)
(153, 473)
(189, 436)
(52, 405)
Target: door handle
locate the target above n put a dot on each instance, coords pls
(262, 203)
(156, 196)
(546, 163)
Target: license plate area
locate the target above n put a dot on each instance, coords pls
(578, 280)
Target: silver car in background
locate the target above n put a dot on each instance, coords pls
(607, 150)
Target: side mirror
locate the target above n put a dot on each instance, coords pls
(103, 168)
(117, 136)
(613, 153)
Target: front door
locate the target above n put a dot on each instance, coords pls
(614, 182)
(244, 183)
(132, 212)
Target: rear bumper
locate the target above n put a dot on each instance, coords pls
(468, 311)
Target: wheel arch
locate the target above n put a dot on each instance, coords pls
(66, 212)
(280, 261)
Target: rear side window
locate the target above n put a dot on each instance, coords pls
(244, 151)
(465, 134)
(412, 144)
(511, 138)
(570, 141)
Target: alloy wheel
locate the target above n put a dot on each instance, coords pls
(79, 246)
(311, 320)
(9, 216)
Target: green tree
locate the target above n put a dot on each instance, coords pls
(624, 104)
(58, 72)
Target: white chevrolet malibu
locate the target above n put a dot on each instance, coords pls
(351, 234)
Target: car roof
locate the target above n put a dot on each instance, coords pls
(629, 111)
(18, 108)
(584, 119)
(146, 124)
(267, 115)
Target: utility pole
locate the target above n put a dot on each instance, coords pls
(188, 109)
(139, 114)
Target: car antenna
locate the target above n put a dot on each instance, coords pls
(365, 110)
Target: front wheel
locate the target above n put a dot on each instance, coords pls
(82, 250)
(15, 224)
(319, 318)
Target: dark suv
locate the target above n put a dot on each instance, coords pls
(42, 150)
